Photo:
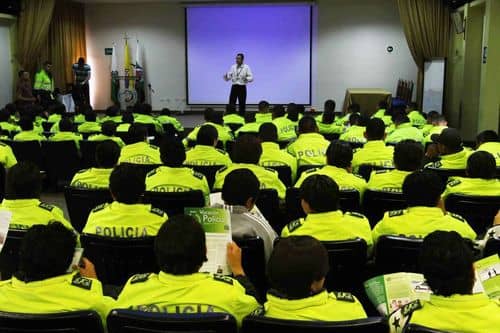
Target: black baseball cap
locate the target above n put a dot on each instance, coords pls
(449, 137)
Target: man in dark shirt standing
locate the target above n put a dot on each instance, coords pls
(81, 86)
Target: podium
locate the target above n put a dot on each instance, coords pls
(367, 98)
(129, 90)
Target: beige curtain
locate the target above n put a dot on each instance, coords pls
(427, 28)
(66, 40)
(32, 29)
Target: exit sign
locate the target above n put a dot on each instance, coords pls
(108, 51)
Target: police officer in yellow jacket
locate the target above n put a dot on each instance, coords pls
(488, 141)
(180, 288)
(408, 155)
(297, 270)
(205, 153)
(231, 116)
(172, 176)
(356, 131)
(7, 157)
(216, 120)
(139, 151)
(286, 127)
(106, 155)
(125, 217)
(416, 118)
(310, 147)
(325, 221)
(27, 132)
(43, 284)
(108, 129)
(422, 190)
(66, 133)
(447, 263)
(452, 155)
(90, 125)
(339, 157)
(374, 152)
(22, 199)
(246, 154)
(404, 130)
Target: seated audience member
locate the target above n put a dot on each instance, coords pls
(250, 127)
(205, 153)
(246, 154)
(66, 133)
(356, 131)
(320, 199)
(416, 118)
(112, 114)
(180, 249)
(142, 115)
(215, 119)
(310, 147)
(27, 133)
(23, 187)
(272, 155)
(166, 117)
(404, 130)
(422, 191)
(452, 154)
(297, 270)
(7, 157)
(338, 159)
(374, 152)
(439, 123)
(240, 192)
(125, 217)
(231, 116)
(263, 114)
(5, 124)
(481, 177)
(139, 151)
(447, 263)
(106, 156)
(408, 156)
(488, 141)
(293, 113)
(326, 121)
(431, 118)
(172, 176)
(108, 129)
(351, 109)
(90, 125)
(56, 112)
(42, 283)
(286, 127)
(383, 113)
(127, 120)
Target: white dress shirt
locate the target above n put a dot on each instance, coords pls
(238, 74)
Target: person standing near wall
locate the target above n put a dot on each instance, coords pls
(239, 74)
(44, 85)
(24, 92)
(81, 70)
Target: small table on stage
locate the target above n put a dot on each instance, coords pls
(367, 98)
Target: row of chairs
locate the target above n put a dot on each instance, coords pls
(127, 321)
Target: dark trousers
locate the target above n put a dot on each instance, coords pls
(239, 92)
(81, 94)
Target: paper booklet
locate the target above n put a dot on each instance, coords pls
(390, 292)
(217, 225)
(5, 218)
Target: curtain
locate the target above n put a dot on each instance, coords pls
(66, 40)
(426, 25)
(32, 29)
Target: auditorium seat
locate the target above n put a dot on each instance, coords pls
(170, 131)
(283, 144)
(303, 168)
(397, 254)
(478, 211)
(253, 324)
(117, 259)
(128, 321)
(446, 173)
(86, 135)
(30, 151)
(254, 262)
(9, 257)
(64, 322)
(88, 149)
(144, 169)
(61, 160)
(173, 203)
(233, 127)
(284, 174)
(124, 136)
(268, 203)
(414, 328)
(365, 170)
(80, 203)
(47, 126)
(356, 145)
(492, 247)
(376, 203)
(208, 170)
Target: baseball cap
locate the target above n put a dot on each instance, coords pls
(449, 137)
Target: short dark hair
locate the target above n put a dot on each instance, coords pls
(423, 188)
(112, 111)
(127, 117)
(90, 116)
(328, 117)
(166, 112)
(23, 181)
(106, 154)
(208, 114)
(358, 119)
(295, 264)
(487, 136)
(268, 132)
(127, 183)
(408, 155)
(207, 135)
(137, 133)
(263, 105)
(241, 55)
(172, 152)
(446, 262)
(65, 125)
(81, 60)
(292, 112)
(400, 119)
(4, 115)
(239, 186)
(246, 149)
(339, 154)
(46, 251)
(108, 128)
(26, 123)
(249, 117)
(217, 118)
(180, 246)
(307, 125)
(329, 105)
(481, 164)
(278, 111)
(375, 129)
(321, 193)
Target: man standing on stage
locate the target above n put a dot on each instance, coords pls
(44, 85)
(81, 87)
(239, 74)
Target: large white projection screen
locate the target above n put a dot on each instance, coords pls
(276, 42)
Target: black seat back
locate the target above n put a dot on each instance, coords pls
(88, 149)
(80, 203)
(117, 259)
(9, 257)
(365, 170)
(173, 203)
(64, 322)
(303, 168)
(492, 247)
(208, 170)
(376, 203)
(446, 173)
(62, 161)
(30, 151)
(397, 254)
(268, 203)
(143, 169)
(254, 261)
(284, 174)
